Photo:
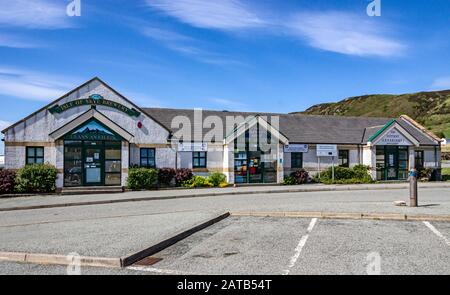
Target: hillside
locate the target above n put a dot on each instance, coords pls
(431, 109)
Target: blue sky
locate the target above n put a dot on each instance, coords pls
(261, 55)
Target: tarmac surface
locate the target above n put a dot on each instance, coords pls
(240, 245)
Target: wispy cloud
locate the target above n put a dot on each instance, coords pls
(184, 45)
(217, 14)
(442, 83)
(42, 14)
(32, 85)
(344, 33)
(7, 40)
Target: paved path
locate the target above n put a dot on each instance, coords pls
(49, 201)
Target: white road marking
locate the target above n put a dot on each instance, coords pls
(436, 232)
(158, 270)
(300, 246)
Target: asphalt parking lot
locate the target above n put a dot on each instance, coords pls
(267, 245)
(239, 245)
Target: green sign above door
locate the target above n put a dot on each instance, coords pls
(93, 130)
(94, 100)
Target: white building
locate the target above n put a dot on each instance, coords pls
(93, 135)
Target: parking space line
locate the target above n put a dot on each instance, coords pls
(300, 246)
(436, 232)
(158, 270)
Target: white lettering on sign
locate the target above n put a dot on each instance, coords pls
(193, 147)
(296, 148)
(393, 137)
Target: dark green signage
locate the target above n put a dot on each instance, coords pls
(93, 130)
(94, 100)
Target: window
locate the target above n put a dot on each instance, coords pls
(199, 159)
(296, 160)
(35, 155)
(113, 162)
(148, 158)
(343, 158)
(419, 160)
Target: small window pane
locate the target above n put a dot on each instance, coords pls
(112, 154)
(39, 160)
(31, 152)
(39, 152)
(112, 179)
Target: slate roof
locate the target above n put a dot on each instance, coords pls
(303, 128)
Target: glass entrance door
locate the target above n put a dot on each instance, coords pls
(93, 155)
(391, 163)
(254, 167)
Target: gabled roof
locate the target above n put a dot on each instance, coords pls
(77, 89)
(85, 117)
(307, 129)
(252, 121)
(297, 128)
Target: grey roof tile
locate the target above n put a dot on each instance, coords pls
(302, 128)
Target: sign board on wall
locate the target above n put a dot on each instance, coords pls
(193, 147)
(327, 150)
(296, 148)
(393, 137)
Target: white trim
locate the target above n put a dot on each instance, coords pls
(250, 123)
(400, 129)
(93, 113)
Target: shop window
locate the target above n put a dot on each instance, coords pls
(380, 163)
(343, 158)
(113, 163)
(148, 158)
(296, 160)
(402, 162)
(419, 159)
(199, 159)
(35, 155)
(73, 163)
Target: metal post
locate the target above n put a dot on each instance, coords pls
(318, 167)
(413, 174)
(332, 169)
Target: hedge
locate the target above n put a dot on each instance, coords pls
(36, 178)
(182, 175)
(342, 175)
(142, 178)
(7, 181)
(166, 175)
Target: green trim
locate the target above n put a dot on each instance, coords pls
(94, 100)
(92, 137)
(381, 130)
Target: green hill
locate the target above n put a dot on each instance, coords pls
(431, 109)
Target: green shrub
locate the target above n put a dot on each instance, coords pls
(36, 178)
(197, 181)
(289, 180)
(142, 178)
(217, 178)
(356, 175)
